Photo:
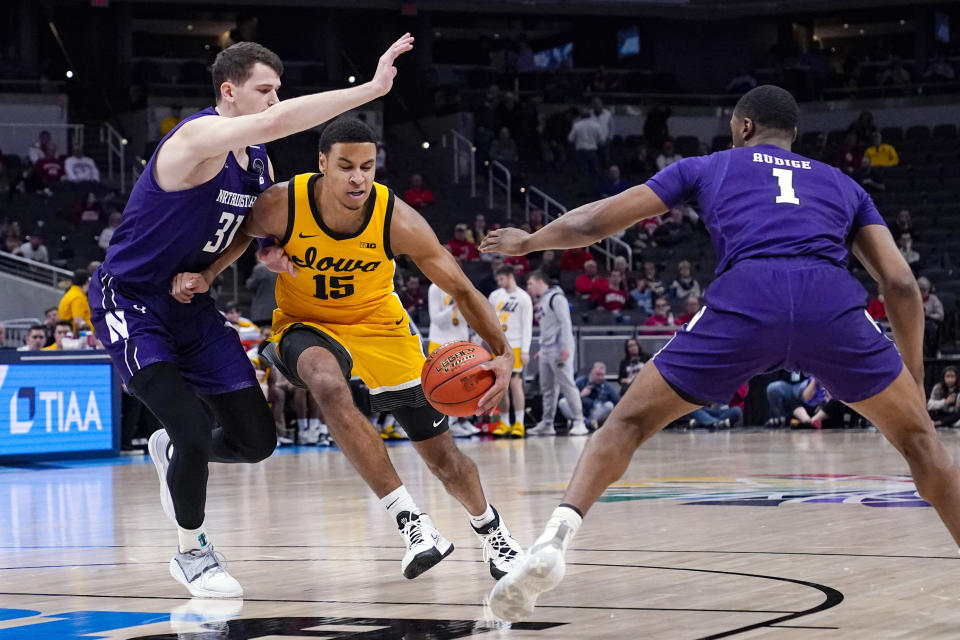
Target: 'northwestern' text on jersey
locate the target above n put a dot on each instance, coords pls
(164, 233)
(763, 201)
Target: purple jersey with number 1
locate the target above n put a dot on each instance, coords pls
(781, 225)
(164, 233)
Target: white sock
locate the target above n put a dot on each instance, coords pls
(303, 424)
(483, 519)
(561, 527)
(322, 427)
(399, 500)
(191, 539)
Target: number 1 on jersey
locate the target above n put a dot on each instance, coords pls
(785, 179)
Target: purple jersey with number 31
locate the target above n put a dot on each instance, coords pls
(763, 201)
(164, 233)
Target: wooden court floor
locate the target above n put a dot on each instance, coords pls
(710, 535)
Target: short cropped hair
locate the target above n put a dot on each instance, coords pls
(345, 130)
(538, 274)
(37, 327)
(80, 277)
(235, 64)
(769, 106)
(506, 270)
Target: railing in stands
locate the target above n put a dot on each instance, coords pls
(16, 330)
(499, 177)
(116, 155)
(464, 159)
(16, 135)
(31, 270)
(609, 246)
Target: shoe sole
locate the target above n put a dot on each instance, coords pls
(177, 574)
(166, 501)
(425, 560)
(515, 595)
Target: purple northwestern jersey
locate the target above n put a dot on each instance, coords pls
(763, 201)
(164, 233)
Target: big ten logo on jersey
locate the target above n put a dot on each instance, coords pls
(331, 287)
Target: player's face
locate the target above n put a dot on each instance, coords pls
(35, 340)
(503, 280)
(258, 93)
(949, 378)
(348, 172)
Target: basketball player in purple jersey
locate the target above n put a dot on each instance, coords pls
(782, 226)
(182, 361)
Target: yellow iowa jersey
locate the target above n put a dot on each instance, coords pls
(342, 278)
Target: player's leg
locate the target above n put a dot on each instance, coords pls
(519, 402)
(900, 415)
(548, 397)
(426, 428)
(571, 396)
(242, 435)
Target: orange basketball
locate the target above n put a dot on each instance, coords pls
(453, 380)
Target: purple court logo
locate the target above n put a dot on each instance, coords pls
(773, 490)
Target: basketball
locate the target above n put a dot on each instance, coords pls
(453, 380)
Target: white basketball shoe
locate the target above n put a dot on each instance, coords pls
(204, 573)
(539, 570)
(500, 550)
(160, 450)
(425, 546)
(579, 428)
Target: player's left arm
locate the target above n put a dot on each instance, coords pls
(410, 234)
(267, 218)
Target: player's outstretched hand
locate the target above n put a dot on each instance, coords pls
(502, 367)
(509, 241)
(383, 78)
(277, 260)
(185, 285)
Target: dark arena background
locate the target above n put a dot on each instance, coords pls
(780, 514)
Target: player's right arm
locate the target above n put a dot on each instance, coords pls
(267, 218)
(878, 253)
(211, 137)
(582, 226)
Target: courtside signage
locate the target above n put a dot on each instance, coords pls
(54, 408)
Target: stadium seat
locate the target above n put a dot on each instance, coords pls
(687, 146)
(892, 134)
(918, 132)
(945, 132)
(720, 143)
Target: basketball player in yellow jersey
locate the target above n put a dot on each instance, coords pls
(340, 314)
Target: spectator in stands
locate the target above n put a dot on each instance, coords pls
(741, 83)
(940, 70)
(642, 295)
(597, 397)
(49, 168)
(413, 297)
(10, 234)
(479, 230)
(524, 62)
(81, 168)
(460, 246)
(504, 150)
(38, 149)
(62, 330)
(862, 129)
(3, 340)
(620, 264)
(633, 360)
(590, 285)
(586, 136)
(655, 128)
(509, 115)
(942, 404)
(850, 155)
(36, 337)
(903, 224)
(34, 249)
(520, 264)
(877, 309)
(103, 240)
(575, 259)
(604, 119)
(172, 119)
(784, 396)
(721, 416)
(89, 211)
(661, 317)
(667, 156)
(74, 309)
(691, 309)
(933, 316)
(685, 286)
(880, 153)
(613, 183)
(652, 275)
(50, 318)
(907, 251)
(896, 75)
(615, 297)
(417, 196)
(535, 220)
(262, 282)
(674, 229)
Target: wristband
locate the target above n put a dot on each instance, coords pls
(264, 243)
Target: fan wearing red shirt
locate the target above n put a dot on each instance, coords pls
(460, 247)
(520, 264)
(416, 196)
(662, 317)
(574, 259)
(49, 168)
(590, 284)
(615, 297)
(690, 310)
